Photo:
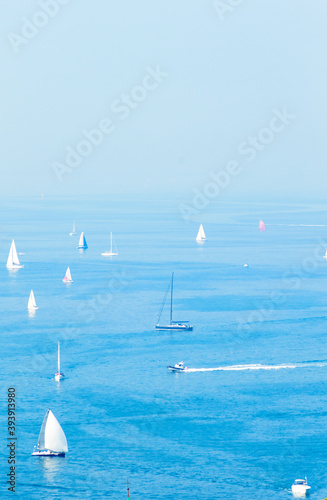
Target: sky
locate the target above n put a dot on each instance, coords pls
(158, 98)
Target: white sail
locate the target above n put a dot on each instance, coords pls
(82, 241)
(73, 231)
(74, 228)
(13, 260)
(201, 234)
(68, 277)
(51, 436)
(31, 301)
(58, 357)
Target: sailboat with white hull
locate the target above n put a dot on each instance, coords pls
(110, 253)
(31, 306)
(201, 236)
(13, 260)
(59, 376)
(173, 325)
(73, 233)
(82, 242)
(52, 441)
(68, 277)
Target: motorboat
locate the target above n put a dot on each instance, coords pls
(300, 488)
(179, 367)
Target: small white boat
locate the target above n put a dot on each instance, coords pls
(325, 256)
(73, 233)
(59, 376)
(300, 488)
(31, 306)
(179, 367)
(246, 265)
(52, 441)
(110, 253)
(82, 242)
(201, 237)
(13, 260)
(68, 277)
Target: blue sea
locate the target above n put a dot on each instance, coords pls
(249, 417)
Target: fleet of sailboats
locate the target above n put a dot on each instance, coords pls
(52, 441)
(82, 242)
(59, 376)
(111, 252)
(201, 237)
(172, 325)
(68, 277)
(13, 260)
(31, 306)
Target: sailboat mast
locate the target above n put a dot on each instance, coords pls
(110, 242)
(58, 357)
(171, 298)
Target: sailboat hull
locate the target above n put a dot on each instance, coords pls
(178, 327)
(108, 254)
(14, 266)
(48, 453)
(59, 376)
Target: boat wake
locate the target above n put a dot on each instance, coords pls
(258, 367)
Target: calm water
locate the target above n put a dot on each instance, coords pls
(236, 431)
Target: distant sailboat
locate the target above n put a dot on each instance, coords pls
(31, 302)
(68, 277)
(82, 242)
(73, 233)
(52, 441)
(127, 483)
(111, 252)
(201, 237)
(325, 256)
(13, 260)
(262, 226)
(173, 325)
(59, 376)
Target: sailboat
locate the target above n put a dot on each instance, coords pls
(262, 226)
(59, 376)
(52, 441)
(201, 236)
(127, 484)
(110, 253)
(325, 256)
(68, 277)
(173, 325)
(73, 233)
(13, 260)
(82, 242)
(31, 302)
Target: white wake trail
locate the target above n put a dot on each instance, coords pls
(256, 367)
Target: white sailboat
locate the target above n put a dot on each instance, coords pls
(173, 325)
(68, 277)
(325, 256)
(73, 233)
(59, 376)
(111, 252)
(52, 441)
(82, 242)
(201, 237)
(13, 260)
(31, 306)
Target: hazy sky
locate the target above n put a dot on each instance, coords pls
(180, 89)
